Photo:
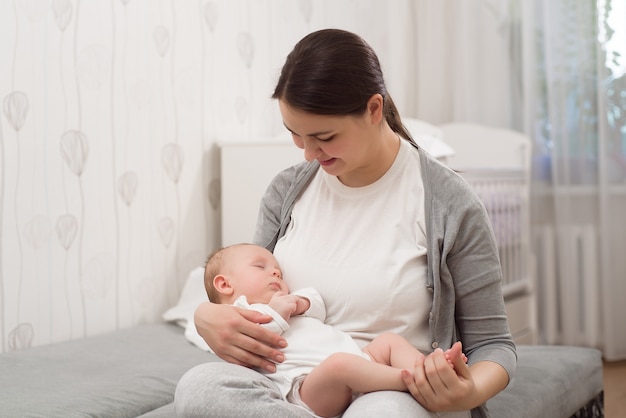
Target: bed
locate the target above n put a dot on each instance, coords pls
(133, 372)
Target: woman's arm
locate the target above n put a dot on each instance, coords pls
(235, 335)
(468, 303)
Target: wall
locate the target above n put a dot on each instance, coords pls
(111, 112)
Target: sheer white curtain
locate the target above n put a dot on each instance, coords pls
(575, 89)
(465, 69)
(553, 69)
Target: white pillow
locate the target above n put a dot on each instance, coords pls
(434, 146)
(193, 294)
(429, 137)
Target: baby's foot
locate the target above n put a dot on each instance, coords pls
(454, 352)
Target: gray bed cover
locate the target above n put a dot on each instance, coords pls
(121, 374)
(133, 373)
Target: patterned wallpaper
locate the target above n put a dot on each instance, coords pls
(111, 116)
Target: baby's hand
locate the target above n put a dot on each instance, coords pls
(286, 305)
(303, 305)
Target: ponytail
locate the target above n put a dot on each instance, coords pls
(392, 116)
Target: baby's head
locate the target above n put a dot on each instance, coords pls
(243, 269)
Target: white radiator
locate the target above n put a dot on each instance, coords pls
(567, 284)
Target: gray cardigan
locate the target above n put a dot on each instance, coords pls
(464, 273)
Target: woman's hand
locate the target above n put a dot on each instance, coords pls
(439, 386)
(443, 381)
(235, 336)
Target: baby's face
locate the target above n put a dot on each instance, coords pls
(254, 272)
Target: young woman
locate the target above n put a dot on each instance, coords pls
(393, 240)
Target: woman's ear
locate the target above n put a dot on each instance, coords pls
(221, 284)
(375, 108)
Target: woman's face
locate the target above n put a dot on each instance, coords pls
(344, 146)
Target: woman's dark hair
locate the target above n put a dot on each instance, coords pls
(335, 72)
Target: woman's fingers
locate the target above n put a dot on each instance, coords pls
(259, 333)
(417, 383)
(409, 381)
(436, 381)
(246, 358)
(235, 335)
(436, 384)
(440, 374)
(250, 344)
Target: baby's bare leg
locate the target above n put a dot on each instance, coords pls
(393, 350)
(328, 389)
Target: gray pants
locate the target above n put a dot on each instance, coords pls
(225, 390)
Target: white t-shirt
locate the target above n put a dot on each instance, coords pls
(364, 250)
